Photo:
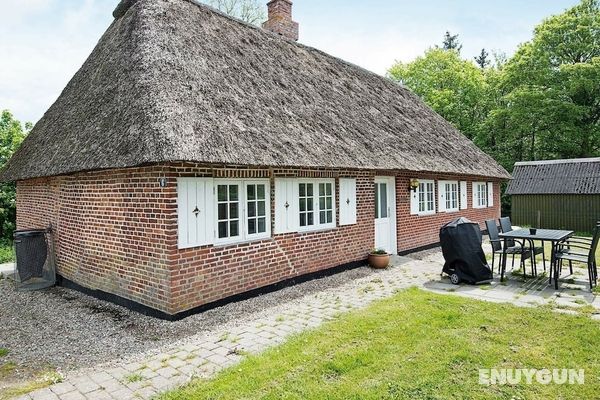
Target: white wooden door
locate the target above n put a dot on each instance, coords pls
(385, 214)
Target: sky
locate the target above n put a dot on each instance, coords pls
(44, 42)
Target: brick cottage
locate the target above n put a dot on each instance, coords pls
(194, 159)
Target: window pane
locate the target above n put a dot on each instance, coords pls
(321, 203)
(262, 225)
(251, 226)
(384, 205)
(262, 208)
(233, 193)
(329, 189)
(302, 204)
(329, 203)
(321, 189)
(329, 217)
(233, 210)
(251, 209)
(377, 200)
(302, 219)
(222, 211)
(222, 229)
(222, 192)
(309, 189)
(322, 217)
(233, 228)
(310, 220)
(309, 205)
(302, 190)
(251, 191)
(260, 192)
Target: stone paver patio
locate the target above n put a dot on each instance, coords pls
(204, 355)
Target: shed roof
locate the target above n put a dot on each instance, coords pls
(575, 176)
(173, 80)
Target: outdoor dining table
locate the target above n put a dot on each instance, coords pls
(544, 235)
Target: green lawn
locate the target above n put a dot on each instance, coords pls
(416, 345)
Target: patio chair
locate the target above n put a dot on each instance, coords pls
(517, 248)
(583, 250)
(506, 226)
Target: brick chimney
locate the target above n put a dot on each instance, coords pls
(280, 19)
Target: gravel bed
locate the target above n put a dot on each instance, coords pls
(68, 330)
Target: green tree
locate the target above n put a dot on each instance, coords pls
(482, 59)
(450, 85)
(12, 133)
(551, 106)
(451, 42)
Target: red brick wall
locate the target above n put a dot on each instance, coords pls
(116, 231)
(415, 231)
(111, 229)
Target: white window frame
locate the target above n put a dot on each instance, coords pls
(448, 195)
(427, 211)
(243, 236)
(478, 196)
(316, 210)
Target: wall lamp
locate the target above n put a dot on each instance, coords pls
(414, 184)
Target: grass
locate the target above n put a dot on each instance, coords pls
(6, 252)
(43, 380)
(132, 378)
(4, 352)
(416, 345)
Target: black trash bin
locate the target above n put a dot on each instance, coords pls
(34, 267)
(465, 260)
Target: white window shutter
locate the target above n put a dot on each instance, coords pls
(441, 196)
(414, 201)
(347, 201)
(194, 212)
(183, 217)
(286, 205)
(490, 190)
(463, 195)
(474, 194)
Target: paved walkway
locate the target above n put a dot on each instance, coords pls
(203, 355)
(7, 269)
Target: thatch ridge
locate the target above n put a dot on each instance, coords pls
(174, 80)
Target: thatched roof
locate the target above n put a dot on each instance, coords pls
(575, 176)
(172, 80)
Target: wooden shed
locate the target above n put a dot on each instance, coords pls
(556, 194)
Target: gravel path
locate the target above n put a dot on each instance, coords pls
(68, 330)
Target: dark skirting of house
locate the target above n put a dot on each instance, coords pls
(557, 194)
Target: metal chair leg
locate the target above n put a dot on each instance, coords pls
(571, 266)
(513, 262)
(544, 256)
(493, 258)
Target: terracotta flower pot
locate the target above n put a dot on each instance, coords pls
(379, 261)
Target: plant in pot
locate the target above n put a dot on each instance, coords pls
(379, 258)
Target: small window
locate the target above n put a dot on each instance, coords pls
(306, 204)
(325, 203)
(451, 195)
(242, 210)
(228, 211)
(256, 206)
(426, 197)
(316, 204)
(480, 194)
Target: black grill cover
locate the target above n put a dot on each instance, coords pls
(461, 245)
